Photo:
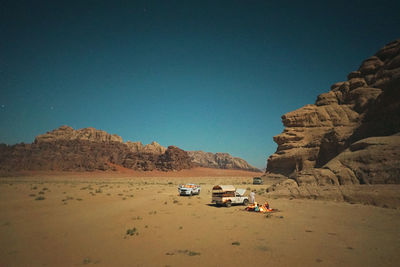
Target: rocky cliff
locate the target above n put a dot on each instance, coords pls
(154, 147)
(88, 149)
(219, 161)
(350, 135)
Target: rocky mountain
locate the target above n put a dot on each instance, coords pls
(154, 147)
(351, 134)
(219, 161)
(88, 149)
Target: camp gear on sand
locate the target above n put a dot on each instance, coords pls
(257, 208)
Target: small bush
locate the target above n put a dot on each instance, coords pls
(86, 261)
(132, 231)
(40, 198)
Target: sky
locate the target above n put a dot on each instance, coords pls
(202, 75)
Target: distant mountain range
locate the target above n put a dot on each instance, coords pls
(219, 161)
(89, 149)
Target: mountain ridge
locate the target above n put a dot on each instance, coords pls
(88, 149)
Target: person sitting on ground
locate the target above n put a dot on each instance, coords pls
(251, 207)
(266, 206)
(262, 209)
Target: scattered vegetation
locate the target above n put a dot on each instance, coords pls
(40, 198)
(86, 261)
(262, 248)
(66, 199)
(236, 243)
(186, 252)
(189, 252)
(132, 231)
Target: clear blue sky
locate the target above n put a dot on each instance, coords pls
(202, 75)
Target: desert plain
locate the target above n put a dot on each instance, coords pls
(138, 219)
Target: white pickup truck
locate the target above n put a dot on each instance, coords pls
(228, 195)
(189, 189)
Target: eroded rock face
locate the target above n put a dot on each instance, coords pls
(366, 105)
(219, 161)
(85, 134)
(88, 149)
(153, 148)
(174, 158)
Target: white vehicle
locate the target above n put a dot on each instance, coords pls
(228, 195)
(189, 189)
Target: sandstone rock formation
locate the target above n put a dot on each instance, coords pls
(174, 158)
(346, 136)
(219, 161)
(154, 147)
(68, 133)
(88, 149)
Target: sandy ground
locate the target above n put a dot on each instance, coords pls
(84, 219)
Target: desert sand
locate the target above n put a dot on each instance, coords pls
(138, 219)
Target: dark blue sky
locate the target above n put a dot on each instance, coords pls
(202, 75)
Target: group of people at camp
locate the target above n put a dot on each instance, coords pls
(259, 208)
(254, 206)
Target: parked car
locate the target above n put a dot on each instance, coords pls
(189, 189)
(227, 195)
(258, 180)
